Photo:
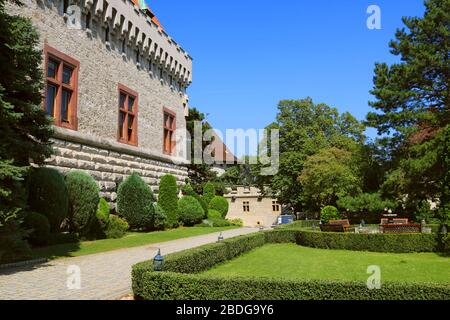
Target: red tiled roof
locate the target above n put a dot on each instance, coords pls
(222, 153)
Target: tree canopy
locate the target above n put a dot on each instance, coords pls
(412, 108)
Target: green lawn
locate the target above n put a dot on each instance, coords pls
(291, 261)
(132, 239)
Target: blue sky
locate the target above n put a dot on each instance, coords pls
(250, 54)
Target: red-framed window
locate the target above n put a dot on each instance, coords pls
(128, 116)
(169, 126)
(61, 88)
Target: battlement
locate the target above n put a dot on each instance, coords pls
(139, 29)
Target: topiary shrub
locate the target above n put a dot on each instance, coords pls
(117, 228)
(187, 190)
(83, 200)
(214, 214)
(191, 212)
(103, 212)
(62, 238)
(220, 204)
(159, 217)
(329, 213)
(135, 202)
(48, 195)
(168, 199)
(209, 192)
(100, 223)
(39, 228)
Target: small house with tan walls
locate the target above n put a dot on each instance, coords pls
(254, 209)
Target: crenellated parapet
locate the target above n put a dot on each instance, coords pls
(135, 28)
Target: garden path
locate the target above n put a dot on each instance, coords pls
(103, 275)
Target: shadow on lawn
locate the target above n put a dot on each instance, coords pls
(55, 251)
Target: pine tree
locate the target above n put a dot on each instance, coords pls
(25, 129)
(413, 106)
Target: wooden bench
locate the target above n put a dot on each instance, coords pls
(394, 221)
(336, 226)
(395, 226)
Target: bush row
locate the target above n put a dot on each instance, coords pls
(179, 280)
(71, 203)
(175, 286)
(400, 243)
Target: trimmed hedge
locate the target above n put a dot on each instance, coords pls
(173, 286)
(398, 243)
(48, 195)
(180, 280)
(298, 224)
(83, 200)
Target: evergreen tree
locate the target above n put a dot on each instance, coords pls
(413, 107)
(25, 129)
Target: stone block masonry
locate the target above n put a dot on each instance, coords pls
(109, 167)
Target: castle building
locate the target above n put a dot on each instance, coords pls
(115, 85)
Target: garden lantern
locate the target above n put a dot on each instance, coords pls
(158, 261)
(220, 239)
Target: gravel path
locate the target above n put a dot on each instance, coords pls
(103, 275)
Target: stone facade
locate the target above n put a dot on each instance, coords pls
(247, 204)
(116, 43)
(109, 163)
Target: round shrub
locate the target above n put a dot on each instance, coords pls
(214, 214)
(187, 190)
(39, 228)
(220, 204)
(191, 211)
(168, 199)
(329, 213)
(134, 202)
(117, 228)
(209, 192)
(83, 200)
(47, 194)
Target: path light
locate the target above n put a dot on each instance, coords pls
(158, 261)
(220, 238)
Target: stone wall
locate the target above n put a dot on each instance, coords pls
(110, 165)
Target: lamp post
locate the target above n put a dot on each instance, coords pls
(158, 261)
(220, 238)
